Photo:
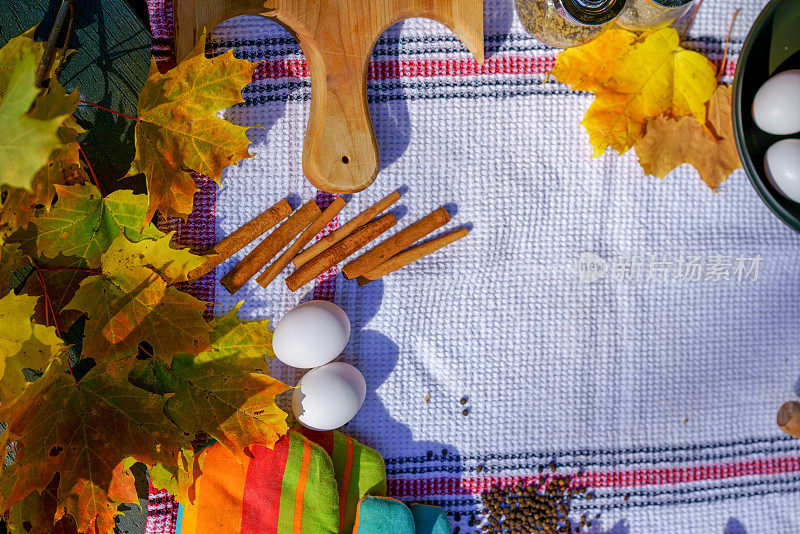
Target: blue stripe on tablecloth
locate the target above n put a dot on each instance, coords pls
(281, 46)
(443, 43)
(663, 495)
(610, 457)
(410, 89)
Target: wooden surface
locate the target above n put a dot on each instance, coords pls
(340, 154)
(789, 418)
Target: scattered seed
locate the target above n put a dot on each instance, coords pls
(541, 505)
(463, 400)
(465, 412)
(479, 468)
(427, 398)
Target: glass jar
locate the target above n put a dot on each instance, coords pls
(640, 15)
(565, 23)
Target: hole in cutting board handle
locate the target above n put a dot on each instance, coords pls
(345, 160)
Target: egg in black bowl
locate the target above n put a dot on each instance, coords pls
(771, 47)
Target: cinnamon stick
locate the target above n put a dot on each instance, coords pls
(339, 251)
(271, 245)
(411, 255)
(358, 221)
(314, 228)
(789, 418)
(241, 237)
(392, 246)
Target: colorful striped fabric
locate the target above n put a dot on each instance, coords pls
(309, 483)
(359, 471)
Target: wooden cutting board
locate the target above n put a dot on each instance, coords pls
(340, 154)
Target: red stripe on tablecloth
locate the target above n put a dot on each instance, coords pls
(262, 488)
(393, 69)
(615, 479)
(410, 68)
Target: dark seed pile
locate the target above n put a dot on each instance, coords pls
(541, 506)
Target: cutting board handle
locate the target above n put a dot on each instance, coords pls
(340, 153)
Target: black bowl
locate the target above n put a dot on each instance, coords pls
(751, 142)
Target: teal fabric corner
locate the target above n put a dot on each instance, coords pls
(429, 519)
(380, 515)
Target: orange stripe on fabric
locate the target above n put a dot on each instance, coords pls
(348, 467)
(189, 520)
(297, 524)
(220, 491)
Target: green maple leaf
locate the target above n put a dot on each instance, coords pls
(129, 303)
(25, 142)
(88, 433)
(63, 165)
(223, 391)
(178, 129)
(83, 223)
(177, 478)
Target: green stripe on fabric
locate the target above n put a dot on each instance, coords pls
(338, 454)
(321, 503)
(367, 475)
(290, 476)
(371, 479)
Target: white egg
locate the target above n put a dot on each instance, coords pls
(329, 396)
(312, 334)
(776, 107)
(782, 162)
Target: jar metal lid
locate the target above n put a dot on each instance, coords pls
(592, 12)
(671, 3)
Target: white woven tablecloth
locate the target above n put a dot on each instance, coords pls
(659, 389)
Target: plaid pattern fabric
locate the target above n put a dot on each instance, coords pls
(659, 396)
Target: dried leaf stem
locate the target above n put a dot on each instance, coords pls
(98, 106)
(727, 43)
(49, 310)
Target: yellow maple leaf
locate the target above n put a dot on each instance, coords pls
(670, 142)
(178, 128)
(635, 78)
(171, 262)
